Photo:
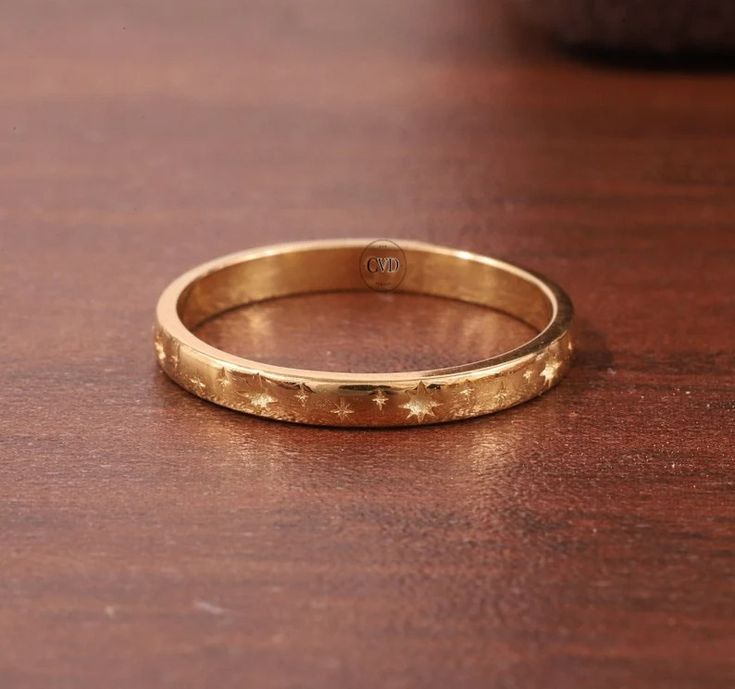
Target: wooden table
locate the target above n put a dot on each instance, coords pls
(149, 539)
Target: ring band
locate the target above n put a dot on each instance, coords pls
(330, 398)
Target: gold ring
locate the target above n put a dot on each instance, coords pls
(404, 398)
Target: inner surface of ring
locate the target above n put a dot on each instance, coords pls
(337, 268)
(361, 332)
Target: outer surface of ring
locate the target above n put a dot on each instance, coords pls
(330, 398)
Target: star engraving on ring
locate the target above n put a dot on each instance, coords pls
(467, 390)
(224, 381)
(197, 383)
(175, 356)
(379, 399)
(303, 394)
(260, 398)
(501, 395)
(420, 404)
(550, 370)
(528, 375)
(343, 409)
(160, 349)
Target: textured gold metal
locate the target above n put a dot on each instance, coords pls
(404, 398)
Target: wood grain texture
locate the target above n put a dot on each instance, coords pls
(149, 539)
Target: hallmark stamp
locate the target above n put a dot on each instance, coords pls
(383, 265)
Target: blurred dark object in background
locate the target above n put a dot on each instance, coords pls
(664, 27)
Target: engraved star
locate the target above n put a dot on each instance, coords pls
(160, 350)
(343, 410)
(550, 370)
(501, 396)
(528, 375)
(420, 404)
(467, 390)
(175, 356)
(260, 399)
(303, 394)
(198, 383)
(380, 398)
(223, 379)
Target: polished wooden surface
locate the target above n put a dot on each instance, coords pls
(149, 539)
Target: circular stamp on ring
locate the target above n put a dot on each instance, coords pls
(383, 265)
